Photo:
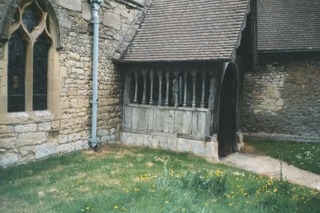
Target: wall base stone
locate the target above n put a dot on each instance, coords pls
(205, 149)
(8, 159)
(46, 149)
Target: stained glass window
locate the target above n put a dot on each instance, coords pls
(28, 60)
(16, 73)
(40, 72)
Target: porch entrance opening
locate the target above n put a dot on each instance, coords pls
(227, 127)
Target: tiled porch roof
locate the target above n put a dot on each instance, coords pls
(186, 30)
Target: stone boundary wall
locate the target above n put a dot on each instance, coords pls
(279, 137)
(33, 135)
(283, 97)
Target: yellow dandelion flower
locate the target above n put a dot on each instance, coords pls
(116, 207)
(275, 190)
(218, 173)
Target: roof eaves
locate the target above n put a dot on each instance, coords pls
(243, 26)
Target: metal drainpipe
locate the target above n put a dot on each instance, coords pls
(95, 6)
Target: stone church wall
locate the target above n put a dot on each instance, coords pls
(281, 99)
(31, 136)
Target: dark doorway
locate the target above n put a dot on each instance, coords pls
(228, 111)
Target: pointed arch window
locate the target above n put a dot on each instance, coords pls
(28, 54)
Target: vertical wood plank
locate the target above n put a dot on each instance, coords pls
(187, 122)
(127, 117)
(158, 120)
(168, 121)
(149, 119)
(178, 121)
(195, 124)
(201, 125)
(135, 117)
(142, 123)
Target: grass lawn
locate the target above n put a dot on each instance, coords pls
(302, 155)
(126, 179)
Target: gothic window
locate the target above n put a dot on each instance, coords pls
(28, 55)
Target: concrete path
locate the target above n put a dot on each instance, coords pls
(271, 167)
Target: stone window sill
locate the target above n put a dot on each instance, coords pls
(23, 117)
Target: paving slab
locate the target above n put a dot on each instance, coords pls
(271, 167)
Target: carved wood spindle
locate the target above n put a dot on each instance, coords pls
(160, 88)
(127, 83)
(144, 75)
(176, 89)
(168, 84)
(203, 74)
(212, 91)
(135, 100)
(151, 87)
(185, 89)
(193, 74)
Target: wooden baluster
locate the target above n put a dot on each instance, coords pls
(160, 88)
(176, 89)
(135, 100)
(151, 88)
(193, 74)
(212, 91)
(127, 85)
(144, 75)
(185, 89)
(203, 74)
(168, 84)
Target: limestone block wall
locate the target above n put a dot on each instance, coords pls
(26, 136)
(282, 99)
